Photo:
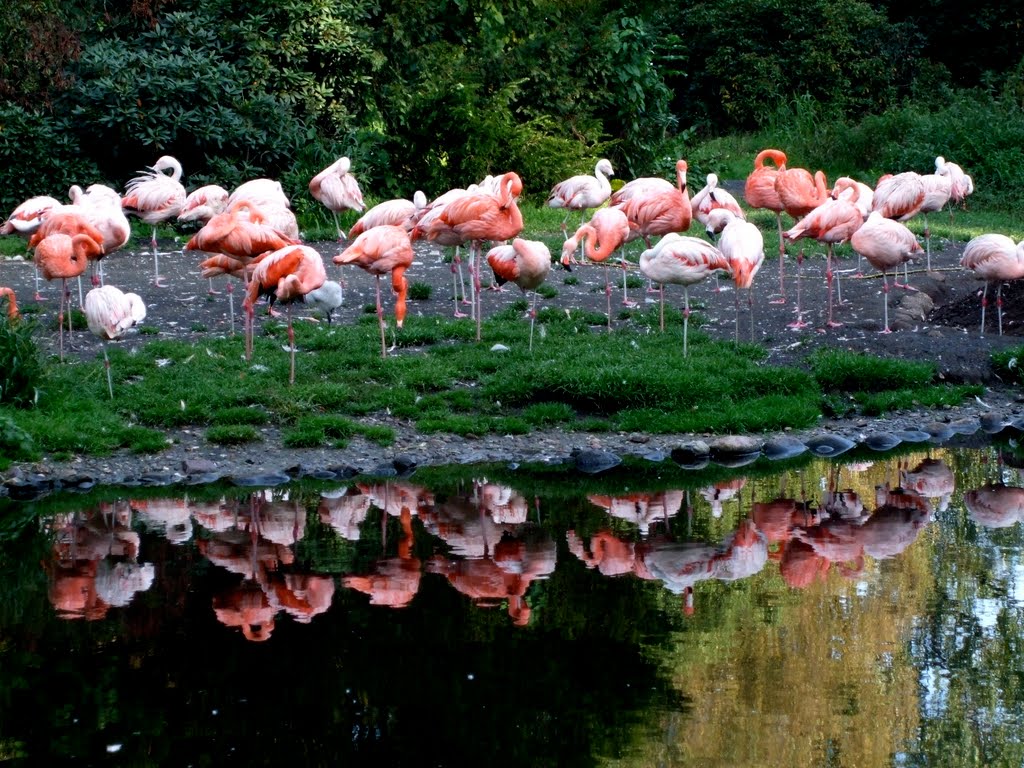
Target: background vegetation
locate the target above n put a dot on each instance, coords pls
(425, 94)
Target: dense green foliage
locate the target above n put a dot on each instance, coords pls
(20, 367)
(437, 94)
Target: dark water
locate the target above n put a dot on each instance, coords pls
(858, 614)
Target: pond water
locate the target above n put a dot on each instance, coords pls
(857, 613)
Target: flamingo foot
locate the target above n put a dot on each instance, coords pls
(273, 312)
(460, 314)
(212, 292)
(797, 325)
(905, 286)
(886, 330)
(38, 296)
(158, 282)
(833, 324)
(780, 300)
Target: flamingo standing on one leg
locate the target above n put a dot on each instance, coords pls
(379, 251)
(743, 245)
(109, 314)
(63, 255)
(711, 199)
(655, 210)
(759, 192)
(994, 257)
(684, 261)
(26, 218)
(525, 263)
(885, 244)
(834, 221)
(447, 237)
(581, 193)
(337, 189)
(961, 185)
(899, 197)
(399, 212)
(202, 205)
(607, 230)
(156, 197)
(287, 275)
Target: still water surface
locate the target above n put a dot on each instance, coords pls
(857, 614)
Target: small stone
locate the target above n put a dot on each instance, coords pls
(693, 454)
(735, 446)
(881, 441)
(383, 470)
(829, 445)
(992, 423)
(964, 426)
(499, 348)
(197, 466)
(253, 481)
(592, 462)
(159, 479)
(913, 436)
(938, 431)
(783, 447)
(342, 471)
(404, 463)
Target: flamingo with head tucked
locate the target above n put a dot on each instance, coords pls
(156, 197)
(607, 230)
(885, 244)
(581, 193)
(994, 257)
(382, 250)
(337, 189)
(525, 263)
(759, 192)
(110, 313)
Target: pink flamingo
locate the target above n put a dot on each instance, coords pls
(381, 250)
(156, 197)
(337, 189)
(581, 193)
(607, 230)
(759, 192)
(743, 245)
(109, 314)
(994, 257)
(525, 263)
(885, 244)
(684, 261)
(285, 275)
(399, 212)
(834, 221)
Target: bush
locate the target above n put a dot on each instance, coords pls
(20, 368)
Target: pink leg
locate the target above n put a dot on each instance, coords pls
(830, 323)
(608, 295)
(999, 305)
(380, 321)
(799, 322)
(885, 305)
(984, 301)
(686, 316)
(291, 345)
(782, 263)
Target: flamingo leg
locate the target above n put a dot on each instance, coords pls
(457, 267)
(885, 305)
(60, 320)
(736, 320)
(750, 309)
(782, 261)
(799, 322)
(231, 305)
(291, 345)
(81, 300)
(686, 316)
(661, 310)
(380, 321)
(38, 296)
(337, 226)
(533, 317)
(984, 303)
(608, 295)
(999, 305)
(106, 365)
(210, 290)
(249, 314)
(830, 323)
(477, 257)
(156, 263)
(927, 242)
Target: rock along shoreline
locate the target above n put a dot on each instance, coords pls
(190, 460)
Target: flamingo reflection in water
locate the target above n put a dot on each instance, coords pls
(170, 516)
(394, 581)
(931, 478)
(995, 505)
(94, 563)
(641, 509)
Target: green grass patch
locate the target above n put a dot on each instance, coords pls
(240, 415)
(839, 371)
(1009, 365)
(420, 291)
(877, 403)
(546, 291)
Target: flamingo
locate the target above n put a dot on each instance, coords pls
(994, 257)
(286, 275)
(799, 192)
(862, 198)
(743, 246)
(101, 205)
(110, 313)
(759, 192)
(607, 230)
(525, 263)
(422, 222)
(995, 506)
(684, 261)
(711, 199)
(479, 217)
(580, 193)
(64, 255)
(398, 212)
(156, 197)
(885, 244)
(961, 185)
(379, 251)
(25, 220)
(834, 221)
(657, 210)
(337, 189)
(899, 197)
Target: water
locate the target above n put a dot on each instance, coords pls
(857, 614)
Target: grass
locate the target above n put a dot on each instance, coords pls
(439, 380)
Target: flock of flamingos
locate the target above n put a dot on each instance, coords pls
(252, 233)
